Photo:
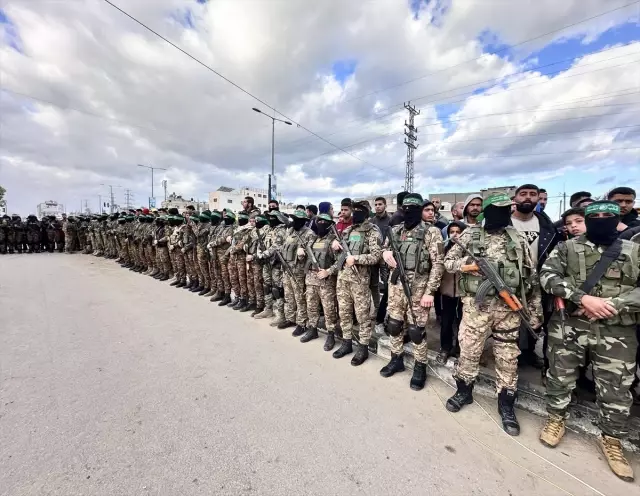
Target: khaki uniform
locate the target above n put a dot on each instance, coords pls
(295, 303)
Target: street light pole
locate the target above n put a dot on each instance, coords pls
(273, 195)
(152, 169)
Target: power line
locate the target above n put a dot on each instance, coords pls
(235, 85)
(509, 47)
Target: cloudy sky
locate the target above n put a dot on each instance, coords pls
(509, 91)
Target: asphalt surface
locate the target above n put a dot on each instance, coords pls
(112, 383)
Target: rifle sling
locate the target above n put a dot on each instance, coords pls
(610, 254)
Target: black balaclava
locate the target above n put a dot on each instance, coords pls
(271, 208)
(273, 221)
(602, 230)
(228, 221)
(323, 228)
(215, 220)
(496, 218)
(261, 222)
(412, 216)
(243, 221)
(298, 223)
(359, 216)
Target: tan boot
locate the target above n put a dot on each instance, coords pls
(553, 431)
(265, 314)
(612, 450)
(279, 319)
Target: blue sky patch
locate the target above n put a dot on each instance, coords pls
(343, 69)
(492, 44)
(11, 35)
(184, 17)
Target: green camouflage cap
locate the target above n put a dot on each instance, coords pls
(205, 217)
(216, 213)
(603, 206)
(413, 199)
(195, 218)
(497, 200)
(230, 214)
(300, 214)
(243, 215)
(326, 217)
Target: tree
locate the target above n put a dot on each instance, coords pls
(2, 192)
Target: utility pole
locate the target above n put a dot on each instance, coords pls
(411, 136)
(99, 204)
(111, 199)
(128, 198)
(164, 185)
(273, 193)
(152, 169)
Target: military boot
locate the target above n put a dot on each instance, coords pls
(265, 314)
(552, 431)
(218, 296)
(299, 331)
(233, 302)
(506, 402)
(174, 283)
(181, 284)
(419, 376)
(463, 396)
(204, 291)
(210, 293)
(396, 364)
(285, 324)
(278, 319)
(225, 300)
(330, 342)
(312, 333)
(345, 349)
(612, 450)
(256, 311)
(242, 302)
(249, 307)
(199, 289)
(195, 287)
(165, 277)
(362, 353)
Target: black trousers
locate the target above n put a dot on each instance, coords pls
(451, 315)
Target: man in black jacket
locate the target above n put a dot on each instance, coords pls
(626, 198)
(398, 216)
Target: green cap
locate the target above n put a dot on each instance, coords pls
(216, 213)
(603, 206)
(243, 215)
(413, 199)
(205, 217)
(195, 218)
(300, 214)
(497, 200)
(230, 214)
(326, 217)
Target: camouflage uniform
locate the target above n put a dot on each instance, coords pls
(4, 232)
(421, 249)
(272, 271)
(295, 302)
(222, 253)
(611, 343)
(69, 230)
(238, 258)
(188, 251)
(32, 228)
(353, 291)
(322, 291)
(255, 282)
(509, 250)
(160, 241)
(215, 271)
(202, 254)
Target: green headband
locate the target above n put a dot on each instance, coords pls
(497, 200)
(606, 207)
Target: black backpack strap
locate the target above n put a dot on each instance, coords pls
(610, 254)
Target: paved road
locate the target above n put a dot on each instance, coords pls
(115, 384)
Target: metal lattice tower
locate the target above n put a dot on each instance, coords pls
(128, 198)
(411, 136)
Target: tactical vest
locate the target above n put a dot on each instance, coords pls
(414, 257)
(290, 248)
(513, 273)
(321, 248)
(357, 239)
(620, 278)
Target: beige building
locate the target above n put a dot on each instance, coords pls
(226, 197)
(177, 201)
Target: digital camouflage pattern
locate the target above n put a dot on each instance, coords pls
(321, 292)
(295, 300)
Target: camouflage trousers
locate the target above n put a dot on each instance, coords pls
(190, 264)
(215, 274)
(150, 256)
(295, 302)
(232, 265)
(612, 350)
(140, 252)
(133, 253)
(278, 283)
(321, 291)
(255, 284)
(179, 265)
(163, 262)
(398, 309)
(241, 269)
(478, 323)
(267, 282)
(202, 257)
(353, 295)
(224, 269)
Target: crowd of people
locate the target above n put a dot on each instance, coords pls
(499, 269)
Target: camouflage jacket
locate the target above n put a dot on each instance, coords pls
(371, 253)
(188, 238)
(240, 237)
(295, 240)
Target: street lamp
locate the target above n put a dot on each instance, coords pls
(272, 194)
(152, 169)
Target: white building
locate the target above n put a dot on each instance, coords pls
(177, 201)
(50, 208)
(225, 197)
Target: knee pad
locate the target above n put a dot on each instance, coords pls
(277, 293)
(267, 289)
(394, 327)
(416, 333)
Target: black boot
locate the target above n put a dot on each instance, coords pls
(362, 353)
(330, 342)
(257, 310)
(312, 333)
(225, 300)
(299, 331)
(506, 401)
(463, 396)
(188, 285)
(396, 364)
(249, 307)
(217, 297)
(345, 349)
(233, 302)
(285, 324)
(196, 288)
(419, 376)
(241, 304)
(203, 291)
(181, 284)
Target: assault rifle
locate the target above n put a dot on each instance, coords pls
(346, 252)
(309, 251)
(400, 273)
(492, 279)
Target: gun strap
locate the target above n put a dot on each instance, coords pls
(610, 254)
(518, 248)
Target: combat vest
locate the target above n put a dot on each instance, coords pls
(511, 269)
(620, 278)
(321, 248)
(290, 248)
(357, 239)
(414, 257)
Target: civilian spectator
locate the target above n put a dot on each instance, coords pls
(273, 205)
(542, 200)
(398, 216)
(450, 298)
(573, 220)
(345, 215)
(428, 212)
(513, 204)
(584, 203)
(472, 209)
(456, 215)
(436, 205)
(381, 218)
(625, 198)
(248, 204)
(312, 212)
(575, 198)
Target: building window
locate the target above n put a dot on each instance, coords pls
(215, 200)
(229, 201)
